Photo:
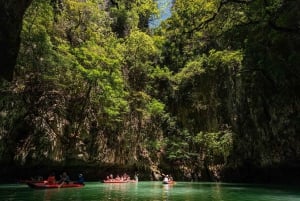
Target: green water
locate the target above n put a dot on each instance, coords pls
(153, 191)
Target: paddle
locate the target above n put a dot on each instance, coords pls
(62, 183)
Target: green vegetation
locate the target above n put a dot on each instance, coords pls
(213, 88)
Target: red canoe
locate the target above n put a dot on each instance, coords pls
(45, 185)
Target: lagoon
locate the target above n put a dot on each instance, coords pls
(154, 191)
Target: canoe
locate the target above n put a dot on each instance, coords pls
(116, 181)
(45, 185)
(168, 182)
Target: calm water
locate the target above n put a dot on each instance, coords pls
(153, 191)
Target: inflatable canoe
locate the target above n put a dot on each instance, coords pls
(168, 182)
(116, 181)
(45, 185)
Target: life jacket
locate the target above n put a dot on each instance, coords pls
(51, 180)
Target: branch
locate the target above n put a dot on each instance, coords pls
(222, 3)
(200, 26)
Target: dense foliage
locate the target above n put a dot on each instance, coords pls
(213, 88)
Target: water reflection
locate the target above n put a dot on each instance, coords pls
(217, 193)
(166, 191)
(119, 191)
(48, 194)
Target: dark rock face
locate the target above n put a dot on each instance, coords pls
(11, 17)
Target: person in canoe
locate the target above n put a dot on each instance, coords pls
(136, 177)
(51, 179)
(171, 178)
(80, 179)
(64, 178)
(166, 179)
